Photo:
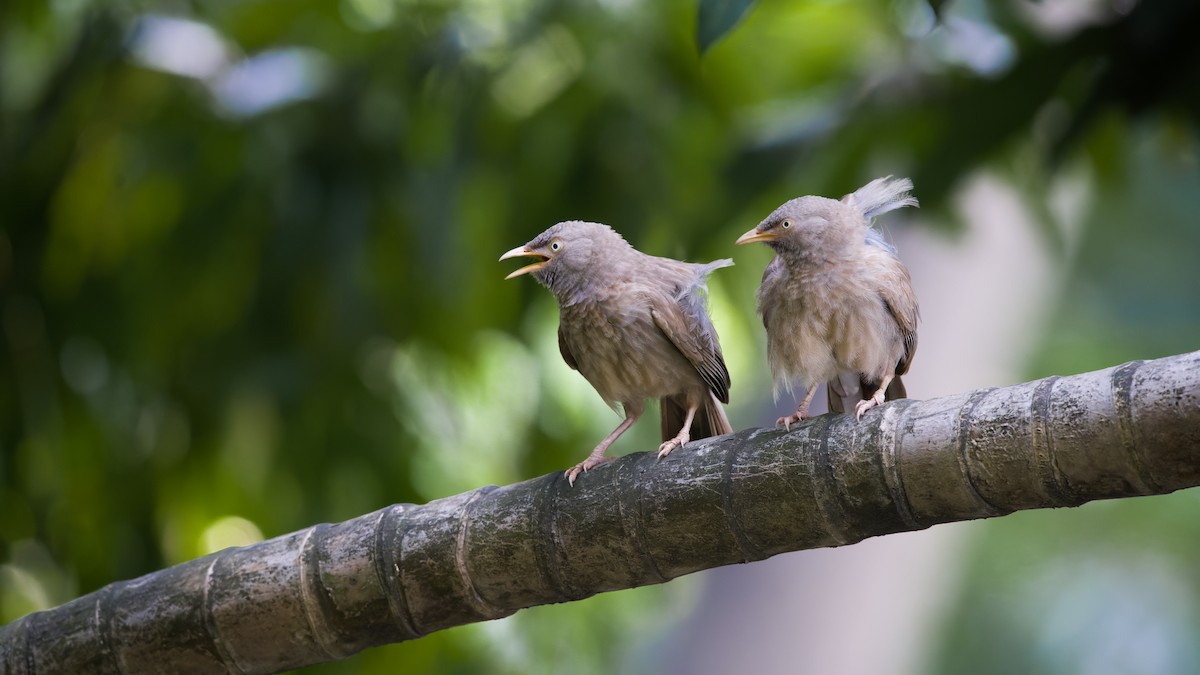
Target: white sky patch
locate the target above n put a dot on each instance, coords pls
(179, 46)
(241, 87)
(975, 45)
(271, 79)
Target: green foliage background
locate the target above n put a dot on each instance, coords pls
(264, 295)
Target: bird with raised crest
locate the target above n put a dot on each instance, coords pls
(635, 326)
(837, 303)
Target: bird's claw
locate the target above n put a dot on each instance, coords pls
(677, 442)
(798, 416)
(583, 467)
(863, 406)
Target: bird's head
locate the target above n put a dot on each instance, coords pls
(568, 253)
(807, 225)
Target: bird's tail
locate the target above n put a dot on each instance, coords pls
(710, 419)
(847, 389)
(699, 278)
(882, 195)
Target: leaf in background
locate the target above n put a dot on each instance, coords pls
(716, 18)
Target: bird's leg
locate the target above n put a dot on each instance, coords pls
(801, 411)
(597, 457)
(877, 398)
(683, 436)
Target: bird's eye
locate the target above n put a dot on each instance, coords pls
(555, 246)
(786, 224)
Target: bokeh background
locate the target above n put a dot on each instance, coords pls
(248, 283)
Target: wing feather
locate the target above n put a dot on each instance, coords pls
(686, 324)
(901, 302)
(565, 350)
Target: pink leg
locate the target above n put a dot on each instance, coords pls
(682, 437)
(866, 404)
(597, 457)
(801, 411)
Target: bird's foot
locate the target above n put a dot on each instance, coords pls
(586, 465)
(677, 442)
(865, 405)
(800, 415)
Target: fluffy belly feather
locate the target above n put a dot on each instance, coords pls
(808, 344)
(628, 358)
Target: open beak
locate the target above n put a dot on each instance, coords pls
(524, 252)
(754, 235)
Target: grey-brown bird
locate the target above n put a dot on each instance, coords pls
(636, 327)
(837, 303)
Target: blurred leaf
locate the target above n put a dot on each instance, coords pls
(715, 18)
(938, 6)
(1159, 66)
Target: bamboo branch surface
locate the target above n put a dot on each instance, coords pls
(329, 591)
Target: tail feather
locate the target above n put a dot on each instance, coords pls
(710, 419)
(700, 273)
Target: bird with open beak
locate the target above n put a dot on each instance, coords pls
(837, 303)
(636, 327)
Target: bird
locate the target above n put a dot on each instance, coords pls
(636, 326)
(837, 303)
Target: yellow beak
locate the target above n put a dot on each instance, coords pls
(522, 252)
(754, 235)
